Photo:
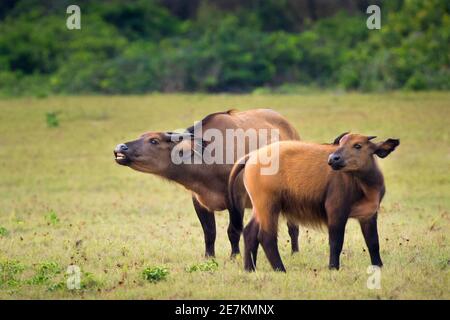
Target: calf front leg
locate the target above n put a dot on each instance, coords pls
(293, 233)
(370, 231)
(336, 240)
(208, 223)
(337, 219)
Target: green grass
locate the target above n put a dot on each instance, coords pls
(64, 201)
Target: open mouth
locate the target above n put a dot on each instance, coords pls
(121, 158)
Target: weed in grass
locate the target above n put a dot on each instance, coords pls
(56, 286)
(52, 119)
(89, 281)
(3, 232)
(155, 274)
(208, 266)
(9, 271)
(52, 218)
(45, 272)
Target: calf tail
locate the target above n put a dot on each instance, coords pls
(236, 216)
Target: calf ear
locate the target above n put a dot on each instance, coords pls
(336, 141)
(383, 149)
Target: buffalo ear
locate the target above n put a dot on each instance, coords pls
(383, 149)
(336, 141)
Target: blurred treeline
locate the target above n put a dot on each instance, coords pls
(221, 45)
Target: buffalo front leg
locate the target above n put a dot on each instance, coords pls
(208, 222)
(370, 232)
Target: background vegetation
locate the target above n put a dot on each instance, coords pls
(65, 201)
(144, 46)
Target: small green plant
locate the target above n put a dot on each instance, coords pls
(443, 262)
(155, 274)
(3, 231)
(208, 266)
(89, 281)
(45, 272)
(52, 217)
(52, 119)
(9, 270)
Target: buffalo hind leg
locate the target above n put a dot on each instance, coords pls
(293, 233)
(208, 222)
(234, 234)
(370, 232)
(251, 245)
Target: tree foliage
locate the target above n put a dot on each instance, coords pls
(144, 46)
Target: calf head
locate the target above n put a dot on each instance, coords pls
(356, 152)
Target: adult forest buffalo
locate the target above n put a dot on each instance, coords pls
(153, 153)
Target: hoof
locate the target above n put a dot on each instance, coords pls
(234, 255)
(333, 267)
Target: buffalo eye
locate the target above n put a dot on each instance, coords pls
(154, 141)
(357, 146)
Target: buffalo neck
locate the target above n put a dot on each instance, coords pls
(191, 176)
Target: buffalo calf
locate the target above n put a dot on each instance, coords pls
(316, 184)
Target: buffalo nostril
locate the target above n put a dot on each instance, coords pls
(333, 158)
(121, 147)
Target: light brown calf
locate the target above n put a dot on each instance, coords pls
(316, 184)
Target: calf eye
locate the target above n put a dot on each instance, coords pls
(357, 146)
(153, 141)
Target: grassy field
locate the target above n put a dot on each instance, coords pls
(65, 201)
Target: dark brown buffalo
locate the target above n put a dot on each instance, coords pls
(316, 184)
(151, 153)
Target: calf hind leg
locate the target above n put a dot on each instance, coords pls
(267, 237)
(269, 243)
